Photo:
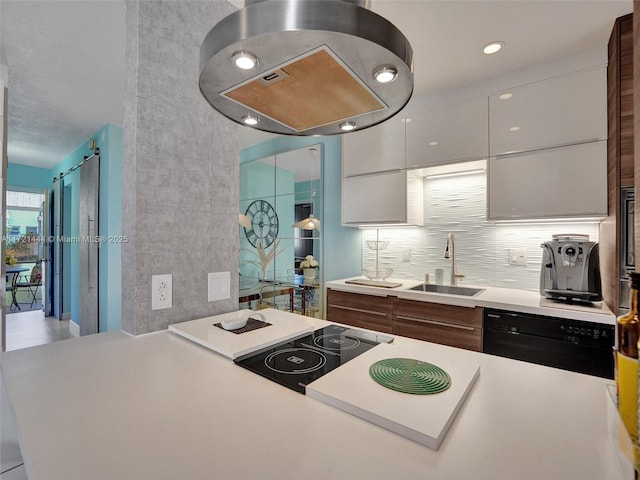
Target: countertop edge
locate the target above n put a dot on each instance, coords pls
(130, 371)
(523, 301)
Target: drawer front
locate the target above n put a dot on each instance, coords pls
(446, 333)
(471, 317)
(364, 311)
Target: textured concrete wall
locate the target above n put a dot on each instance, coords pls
(180, 168)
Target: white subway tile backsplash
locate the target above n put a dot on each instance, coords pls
(458, 205)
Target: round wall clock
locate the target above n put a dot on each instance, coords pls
(264, 224)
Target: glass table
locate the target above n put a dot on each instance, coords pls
(302, 295)
(266, 292)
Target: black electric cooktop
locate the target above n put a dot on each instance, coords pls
(298, 362)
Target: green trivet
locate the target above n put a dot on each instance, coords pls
(410, 376)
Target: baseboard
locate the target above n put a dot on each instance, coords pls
(74, 328)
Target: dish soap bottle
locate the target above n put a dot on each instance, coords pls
(628, 334)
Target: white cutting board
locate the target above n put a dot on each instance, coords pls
(422, 418)
(284, 326)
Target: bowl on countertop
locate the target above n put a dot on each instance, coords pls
(240, 318)
(379, 274)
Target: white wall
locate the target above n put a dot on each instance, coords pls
(458, 205)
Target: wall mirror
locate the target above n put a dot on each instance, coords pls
(280, 224)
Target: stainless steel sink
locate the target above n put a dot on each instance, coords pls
(466, 291)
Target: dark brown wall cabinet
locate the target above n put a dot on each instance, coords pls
(620, 150)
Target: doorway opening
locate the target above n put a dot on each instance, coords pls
(303, 244)
(24, 233)
(27, 271)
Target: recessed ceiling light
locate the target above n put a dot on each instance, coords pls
(405, 120)
(433, 144)
(250, 120)
(244, 60)
(492, 47)
(505, 96)
(385, 74)
(347, 126)
(514, 129)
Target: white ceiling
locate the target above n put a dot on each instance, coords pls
(448, 36)
(66, 58)
(66, 74)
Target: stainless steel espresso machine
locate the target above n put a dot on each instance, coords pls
(570, 269)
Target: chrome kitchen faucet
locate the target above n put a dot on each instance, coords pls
(450, 252)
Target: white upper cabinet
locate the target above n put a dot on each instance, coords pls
(559, 111)
(375, 149)
(569, 181)
(390, 198)
(454, 133)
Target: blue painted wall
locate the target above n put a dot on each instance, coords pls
(303, 189)
(27, 178)
(341, 246)
(71, 250)
(109, 140)
(110, 223)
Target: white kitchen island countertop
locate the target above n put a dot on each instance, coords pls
(523, 301)
(158, 406)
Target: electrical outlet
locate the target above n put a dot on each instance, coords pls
(161, 292)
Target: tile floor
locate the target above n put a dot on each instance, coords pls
(11, 464)
(24, 329)
(28, 329)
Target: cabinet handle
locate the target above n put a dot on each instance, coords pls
(351, 309)
(520, 152)
(433, 322)
(369, 174)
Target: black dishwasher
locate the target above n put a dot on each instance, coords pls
(575, 345)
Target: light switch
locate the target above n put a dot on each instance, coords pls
(406, 254)
(219, 286)
(518, 256)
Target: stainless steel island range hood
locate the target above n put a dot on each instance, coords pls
(306, 67)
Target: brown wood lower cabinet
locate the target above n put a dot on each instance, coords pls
(364, 311)
(433, 322)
